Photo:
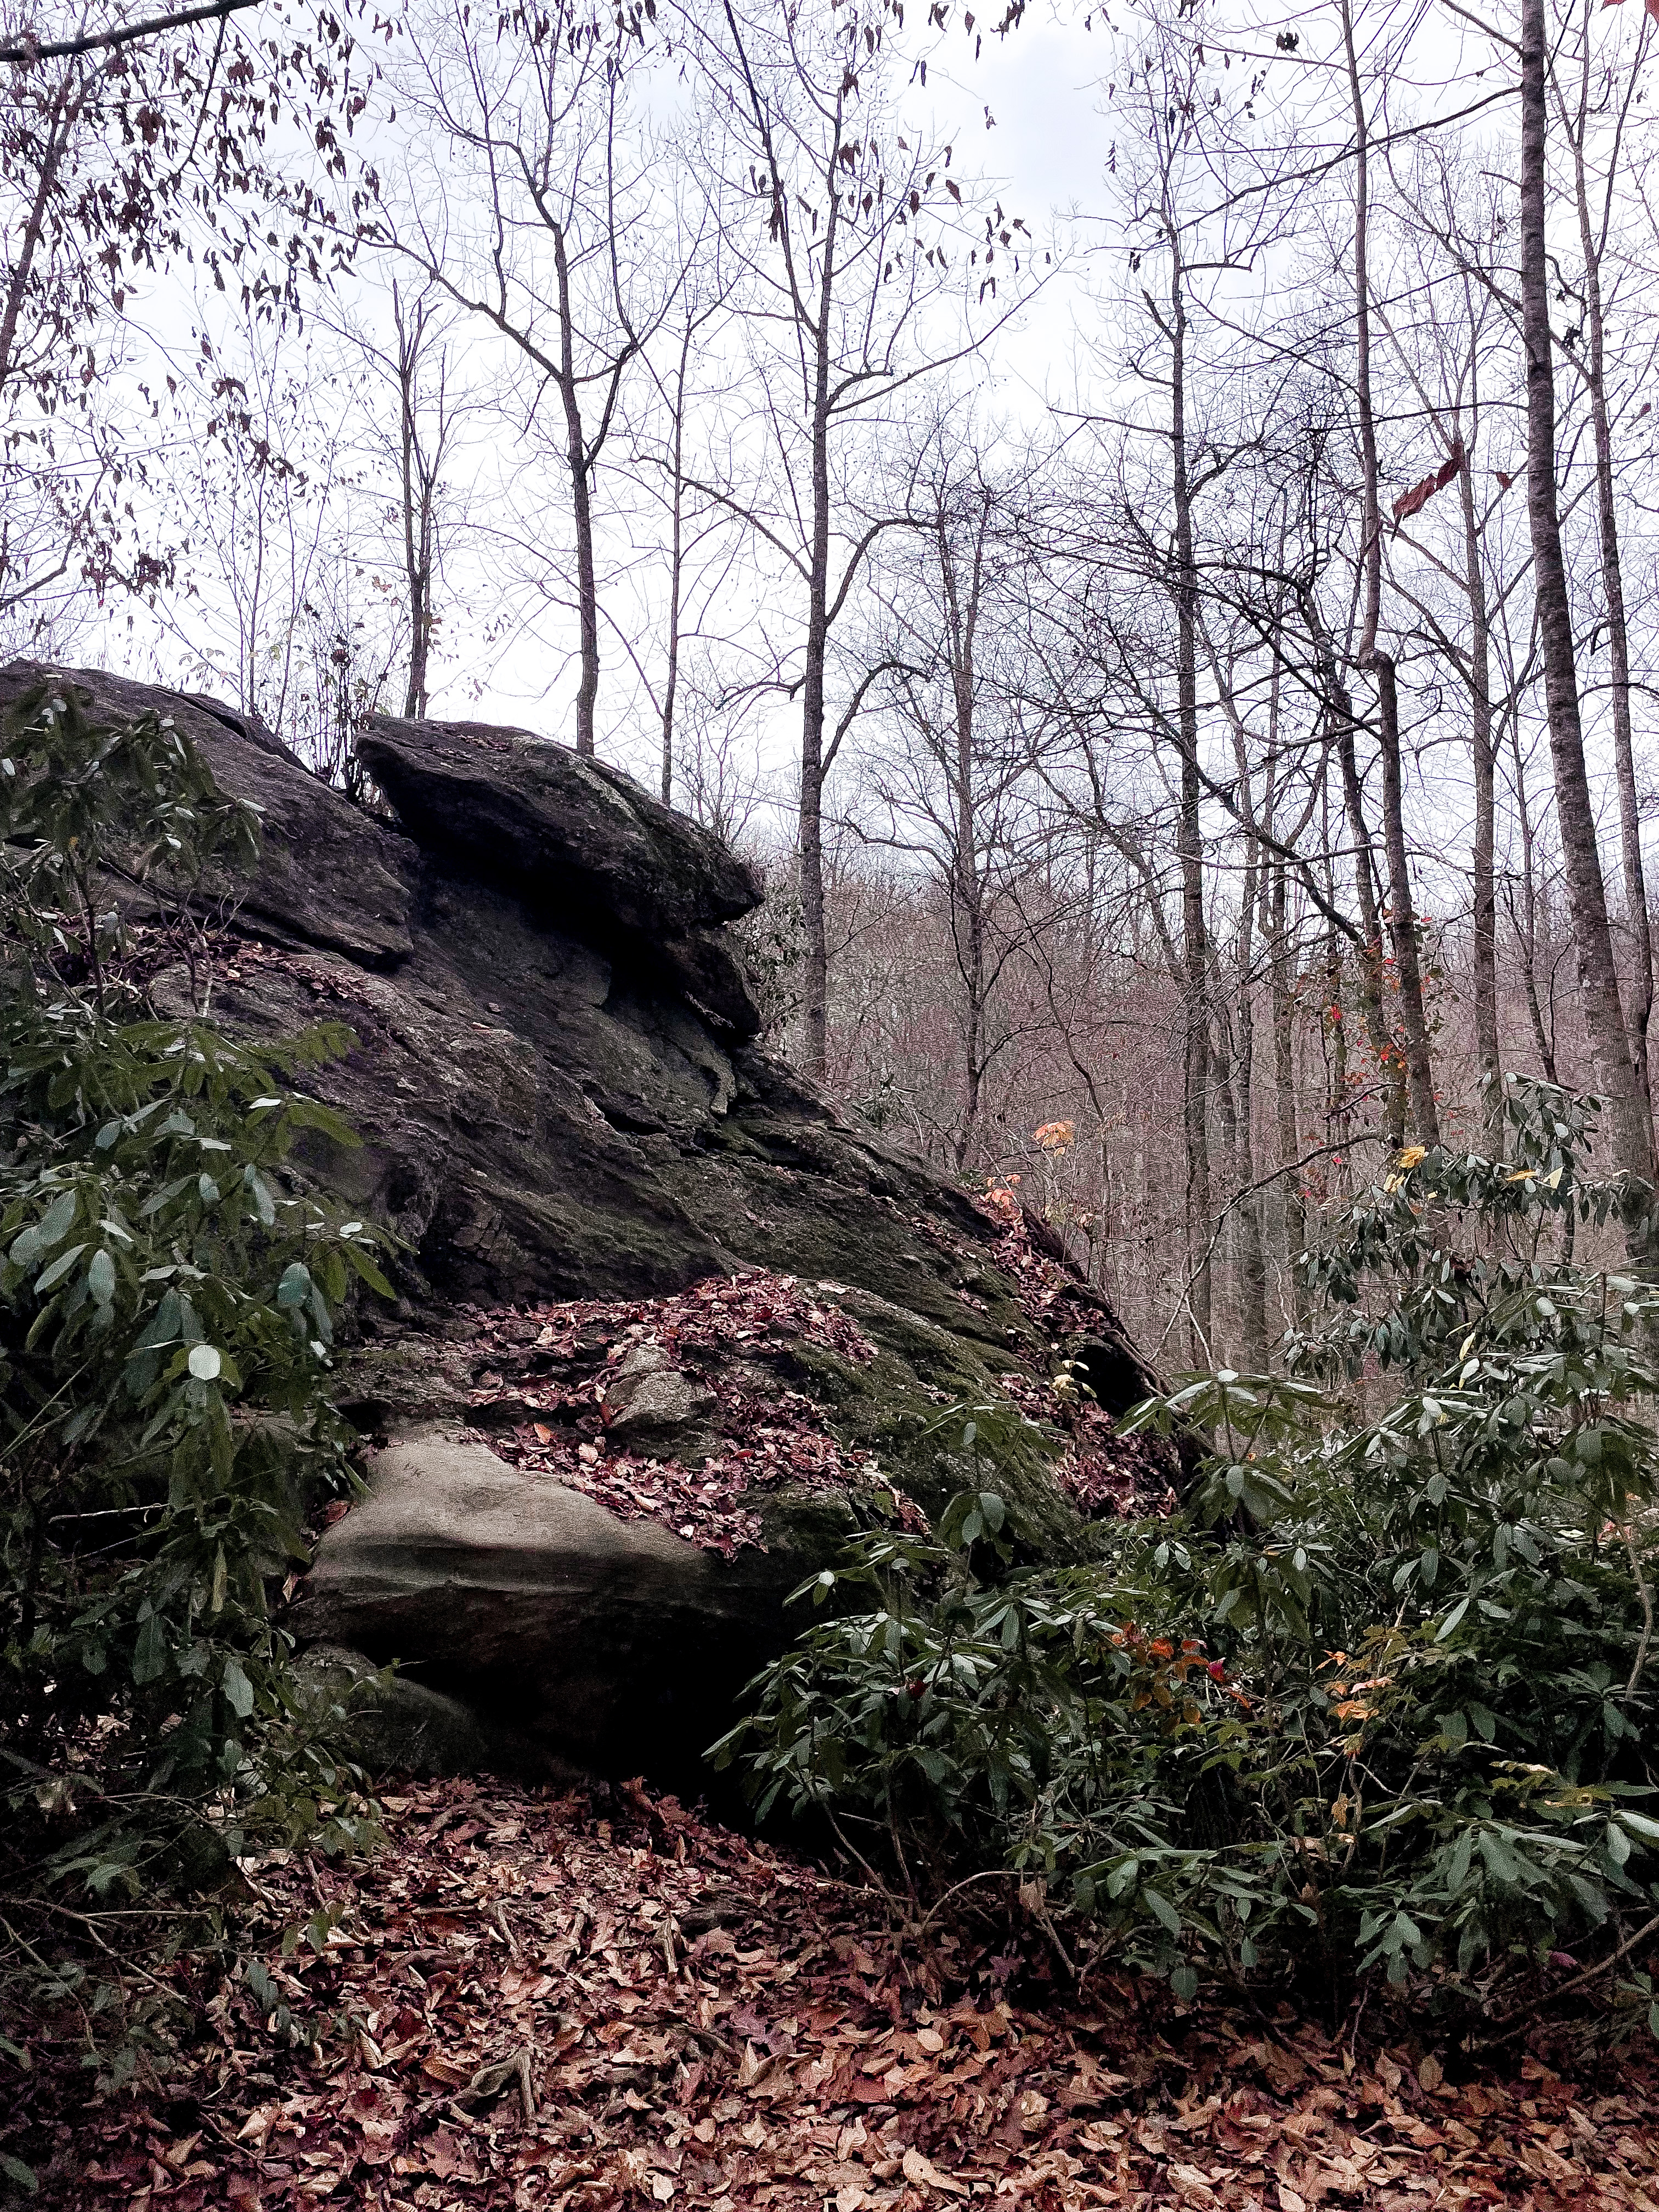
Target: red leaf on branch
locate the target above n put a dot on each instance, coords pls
(1414, 501)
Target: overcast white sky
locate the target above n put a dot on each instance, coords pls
(1045, 154)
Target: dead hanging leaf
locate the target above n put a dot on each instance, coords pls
(1414, 501)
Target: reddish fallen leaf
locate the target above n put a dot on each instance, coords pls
(803, 2051)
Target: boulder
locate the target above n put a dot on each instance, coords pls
(561, 1098)
(656, 1408)
(613, 1647)
(330, 874)
(574, 838)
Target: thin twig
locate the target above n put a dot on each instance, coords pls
(1528, 2013)
(875, 1879)
(708, 2037)
(985, 1874)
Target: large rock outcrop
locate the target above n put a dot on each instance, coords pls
(562, 1099)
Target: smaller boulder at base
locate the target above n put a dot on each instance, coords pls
(613, 1646)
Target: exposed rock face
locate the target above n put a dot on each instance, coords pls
(561, 1098)
(573, 839)
(584, 1639)
(658, 1409)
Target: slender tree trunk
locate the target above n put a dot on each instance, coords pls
(1370, 965)
(1189, 844)
(1402, 921)
(1485, 892)
(676, 568)
(815, 981)
(962, 633)
(1250, 1265)
(1337, 1108)
(1639, 1008)
(1629, 1127)
(1526, 925)
(587, 593)
(969, 895)
(1283, 1021)
(1225, 1093)
(419, 499)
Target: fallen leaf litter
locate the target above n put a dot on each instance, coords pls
(767, 1435)
(540, 2003)
(544, 1373)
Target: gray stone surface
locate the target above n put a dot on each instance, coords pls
(330, 874)
(575, 838)
(589, 1642)
(657, 1409)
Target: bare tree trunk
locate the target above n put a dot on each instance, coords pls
(1250, 1262)
(419, 483)
(1526, 923)
(1284, 1019)
(1639, 1008)
(846, 345)
(1485, 895)
(1189, 844)
(580, 465)
(675, 567)
(1629, 1124)
(1226, 1103)
(1370, 964)
(1402, 921)
(962, 633)
(814, 1008)
(1337, 1105)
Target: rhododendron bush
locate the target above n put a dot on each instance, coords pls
(1373, 1706)
(166, 1306)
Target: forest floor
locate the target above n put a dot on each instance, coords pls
(535, 2000)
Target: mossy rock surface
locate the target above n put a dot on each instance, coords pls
(561, 1097)
(912, 1406)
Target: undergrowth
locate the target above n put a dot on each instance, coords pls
(1370, 1713)
(167, 1294)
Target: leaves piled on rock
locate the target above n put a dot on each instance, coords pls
(545, 1401)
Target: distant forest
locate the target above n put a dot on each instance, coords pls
(1185, 769)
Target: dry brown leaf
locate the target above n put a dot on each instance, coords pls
(914, 2167)
(741, 2080)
